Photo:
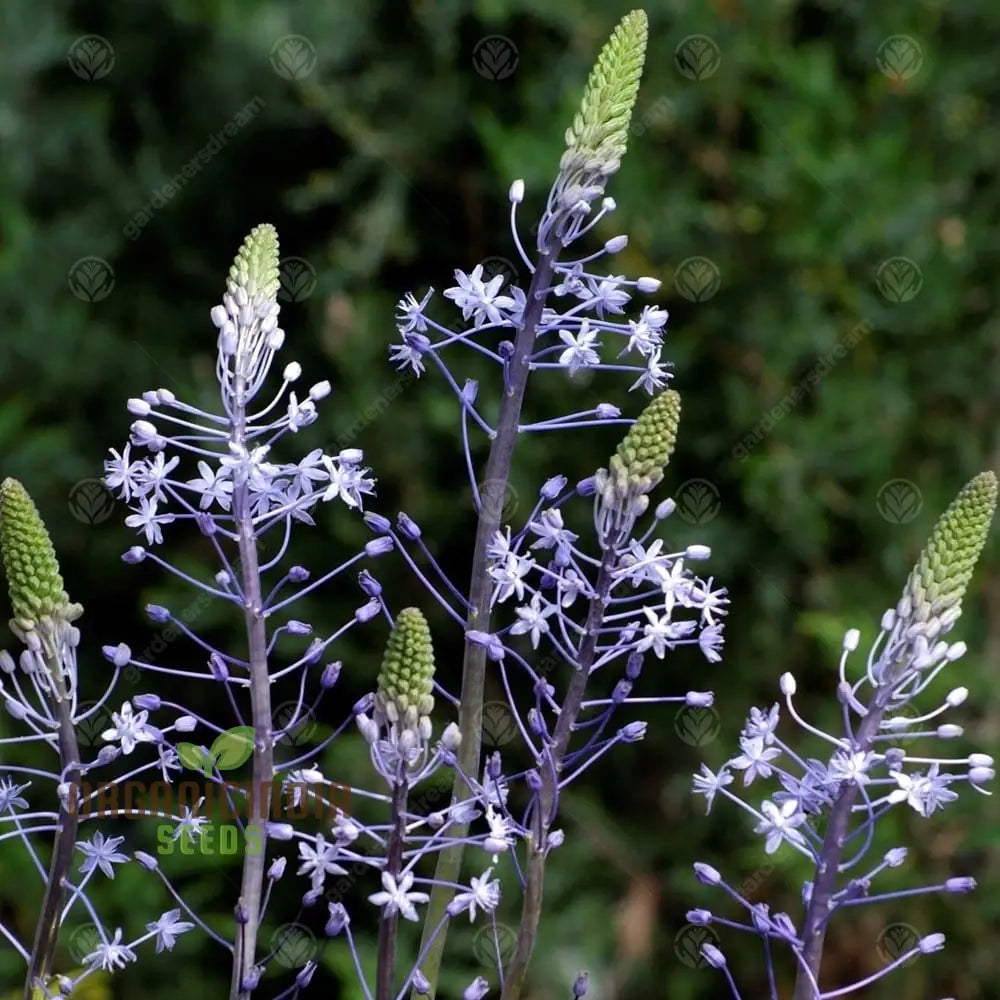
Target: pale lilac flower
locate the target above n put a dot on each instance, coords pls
(213, 485)
(99, 852)
(410, 313)
(167, 928)
(128, 729)
(654, 378)
(532, 619)
(396, 897)
(579, 351)
(482, 893)
(317, 862)
(146, 519)
(780, 824)
(707, 783)
(478, 299)
(110, 956)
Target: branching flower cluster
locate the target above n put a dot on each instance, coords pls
(827, 807)
(588, 582)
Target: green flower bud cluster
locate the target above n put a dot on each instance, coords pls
(598, 137)
(255, 268)
(33, 578)
(42, 608)
(406, 681)
(939, 579)
(636, 468)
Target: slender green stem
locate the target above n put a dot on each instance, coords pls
(386, 962)
(828, 865)
(544, 814)
(47, 931)
(474, 661)
(254, 863)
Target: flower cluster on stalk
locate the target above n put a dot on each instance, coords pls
(827, 807)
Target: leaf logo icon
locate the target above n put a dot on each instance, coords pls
(492, 266)
(895, 941)
(233, 748)
(697, 279)
(88, 731)
(91, 279)
(499, 500)
(697, 57)
(293, 945)
(696, 726)
(195, 758)
(900, 57)
(91, 57)
(899, 501)
(499, 727)
(293, 57)
(698, 501)
(899, 279)
(91, 502)
(495, 57)
(688, 943)
(488, 947)
(84, 941)
(294, 725)
(296, 279)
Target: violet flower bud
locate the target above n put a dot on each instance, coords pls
(551, 488)
(330, 675)
(338, 919)
(379, 547)
(379, 524)
(408, 527)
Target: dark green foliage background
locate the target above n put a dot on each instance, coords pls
(797, 168)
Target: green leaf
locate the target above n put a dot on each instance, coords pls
(233, 747)
(191, 756)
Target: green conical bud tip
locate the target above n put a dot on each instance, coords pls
(598, 137)
(939, 579)
(33, 578)
(405, 681)
(645, 451)
(255, 268)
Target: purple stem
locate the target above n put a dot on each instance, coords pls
(498, 466)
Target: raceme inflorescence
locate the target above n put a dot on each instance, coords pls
(564, 610)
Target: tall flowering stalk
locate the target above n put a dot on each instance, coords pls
(43, 621)
(828, 810)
